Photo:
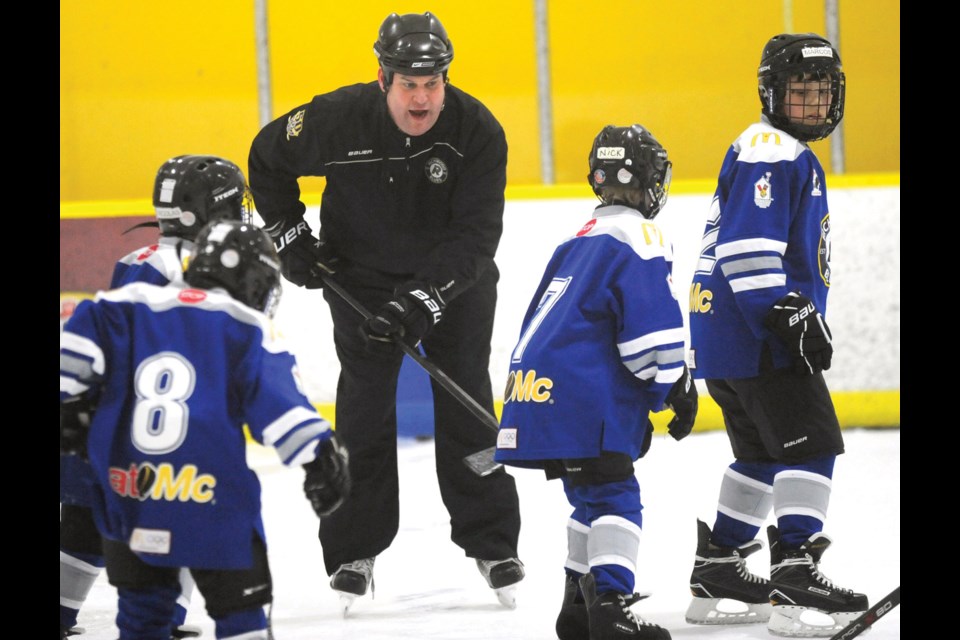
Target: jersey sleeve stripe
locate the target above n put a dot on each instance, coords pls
(297, 442)
(83, 350)
(761, 263)
(763, 281)
(749, 245)
(279, 428)
(652, 340)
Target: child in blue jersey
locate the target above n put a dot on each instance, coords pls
(759, 339)
(189, 191)
(601, 346)
(174, 374)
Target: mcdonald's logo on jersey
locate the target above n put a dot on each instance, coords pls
(527, 387)
(764, 138)
(146, 481)
(700, 299)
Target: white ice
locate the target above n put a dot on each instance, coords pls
(426, 588)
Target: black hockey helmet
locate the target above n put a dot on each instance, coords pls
(193, 190)
(413, 44)
(629, 167)
(806, 58)
(240, 258)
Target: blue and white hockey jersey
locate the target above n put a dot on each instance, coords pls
(768, 233)
(178, 372)
(601, 345)
(158, 263)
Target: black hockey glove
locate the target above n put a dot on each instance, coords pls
(327, 483)
(797, 322)
(75, 415)
(302, 259)
(684, 400)
(414, 310)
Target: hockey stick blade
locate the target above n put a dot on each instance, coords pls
(482, 462)
(871, 615)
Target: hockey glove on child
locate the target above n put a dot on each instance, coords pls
(684, 401)
(302, 260)
(327, 483)
(797, 322)
(414, 310)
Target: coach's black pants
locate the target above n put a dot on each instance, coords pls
(484, 511)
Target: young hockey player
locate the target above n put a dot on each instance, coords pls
(188, 192)
(601, 346)
(760, 340)
(161, 381)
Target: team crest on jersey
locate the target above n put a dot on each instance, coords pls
(436, 171)
(146, 481)
(815, 191)
(295, 124)
(763, 191)
(823, 250)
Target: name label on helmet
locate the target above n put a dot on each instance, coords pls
(423, 65)
(610, 153)
(817, 52)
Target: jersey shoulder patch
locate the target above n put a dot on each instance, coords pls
(764, 143)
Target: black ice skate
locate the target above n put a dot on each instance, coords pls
(797, 586)
(611, 617)
(719, 578)
(502, 576)
(351, 581)
(573, 623)
(67, 632)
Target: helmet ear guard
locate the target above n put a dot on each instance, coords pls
(629, 167)
(413, 44)
(794, 68)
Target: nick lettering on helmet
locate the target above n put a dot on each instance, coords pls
(610, 153)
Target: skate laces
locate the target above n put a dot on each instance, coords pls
(626, 602)
(744, 572)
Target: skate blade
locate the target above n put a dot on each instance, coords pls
(186, 631)
(803, 622)
(507, 596)
(346, 601)
(726, 611)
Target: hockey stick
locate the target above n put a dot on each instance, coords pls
(866, 620)
(482, 462)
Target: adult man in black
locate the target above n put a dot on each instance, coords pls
(410, 220)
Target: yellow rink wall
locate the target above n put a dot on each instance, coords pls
(141, 82)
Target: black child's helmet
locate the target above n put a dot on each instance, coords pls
(808, 59)
(413, 44)
(629, 167)
(193, 190)
(240, 258)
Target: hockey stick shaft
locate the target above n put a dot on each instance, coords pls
(871, 615)
(482, 461)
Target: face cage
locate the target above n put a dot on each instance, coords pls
(780, 99)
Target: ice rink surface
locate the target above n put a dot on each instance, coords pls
(426, 589)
